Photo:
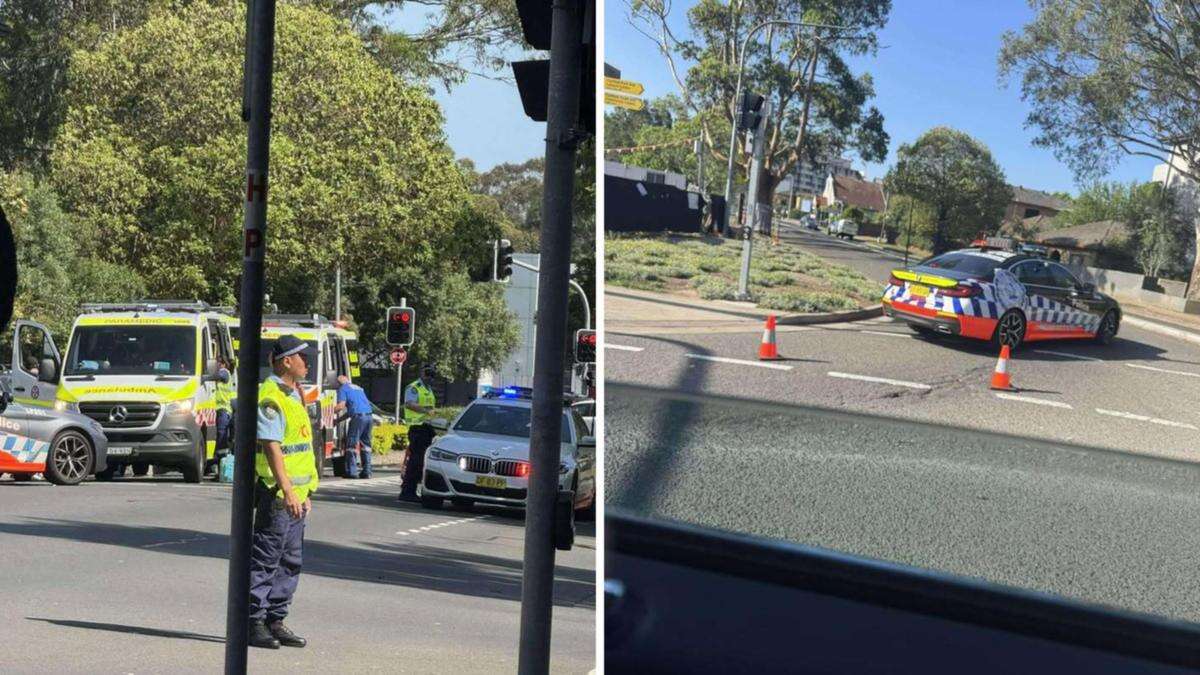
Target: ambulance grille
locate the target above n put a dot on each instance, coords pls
(109, 414)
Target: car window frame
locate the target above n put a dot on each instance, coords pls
(1074, 281)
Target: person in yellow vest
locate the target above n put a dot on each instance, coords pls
(223, 396)
(419, 402)
(286, 471)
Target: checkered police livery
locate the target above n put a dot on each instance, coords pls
(967, 292)
(23, 448)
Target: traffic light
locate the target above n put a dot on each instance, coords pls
(502, 260)
(585, 346)
(751, 111)
(533, 77)
(401, 326)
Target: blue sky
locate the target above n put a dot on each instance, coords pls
(484, 118)
(936, 66)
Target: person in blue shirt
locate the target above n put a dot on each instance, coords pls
(352, 399)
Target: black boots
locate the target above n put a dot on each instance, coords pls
(285, 636)
(260, 636)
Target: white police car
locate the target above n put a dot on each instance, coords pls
(484, 455)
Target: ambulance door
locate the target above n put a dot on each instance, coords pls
(36, 365)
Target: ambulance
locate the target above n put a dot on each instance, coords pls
(331, 350)
(145, 371)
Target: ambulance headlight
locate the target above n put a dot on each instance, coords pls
(180, 407)
(64, 406)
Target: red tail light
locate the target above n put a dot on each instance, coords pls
(960, 291)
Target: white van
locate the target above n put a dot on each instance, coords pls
(843, 228)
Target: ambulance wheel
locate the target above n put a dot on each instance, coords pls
(193, 471)
(1010, 330)
(1108, 328)
(71, 459)
(141, 468)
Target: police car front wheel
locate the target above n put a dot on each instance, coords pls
(71, 459)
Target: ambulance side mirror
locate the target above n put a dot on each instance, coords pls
(331, 381)
(211, 367)
(48, 371)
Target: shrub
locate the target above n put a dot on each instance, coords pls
(716, 288)
(797, 301)
(386, 438)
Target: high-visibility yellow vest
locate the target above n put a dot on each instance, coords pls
(298, 459)
(223, 397)
(425, 399)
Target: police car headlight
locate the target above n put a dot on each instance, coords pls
(63, 406)
(184, 406)
(442, 455)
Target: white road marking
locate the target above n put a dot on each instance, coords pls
(448, 523)
(1146, 418)
(907, 336)
(880, 380)
(1031, 399)
(624, 348)
(1163, 370)
(740, 362)
(1067, 354)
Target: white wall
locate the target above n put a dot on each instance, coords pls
(520, 294)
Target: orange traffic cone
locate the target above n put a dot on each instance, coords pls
(768, 351)
(1000, 377)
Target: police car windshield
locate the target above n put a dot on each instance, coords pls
(502, 420)
(965, 263)
(264, 364)
(132, 350)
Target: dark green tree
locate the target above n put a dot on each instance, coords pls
(955, 175)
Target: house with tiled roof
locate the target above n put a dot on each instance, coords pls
(845, 191)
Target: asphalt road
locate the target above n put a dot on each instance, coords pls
(871, 440)
(130, 577)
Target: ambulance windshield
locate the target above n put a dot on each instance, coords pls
(132, 350)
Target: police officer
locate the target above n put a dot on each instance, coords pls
(419, 402)
(287, 474)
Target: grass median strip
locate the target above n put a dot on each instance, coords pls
(782, 278)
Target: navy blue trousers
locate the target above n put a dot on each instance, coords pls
(276, 554)
(359, 435)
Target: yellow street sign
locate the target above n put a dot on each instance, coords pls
(623, 86)
(623, 101)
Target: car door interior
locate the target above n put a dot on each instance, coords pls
(681, 598)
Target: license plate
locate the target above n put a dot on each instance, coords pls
(116, 451)
(491, 482)
(918, 291)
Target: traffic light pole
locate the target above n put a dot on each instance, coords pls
(562, 138)
(260, 52)
(752, 199)
(737, 99)
(587, 307)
